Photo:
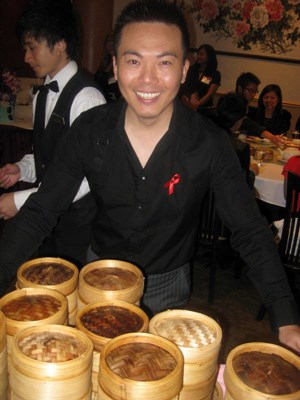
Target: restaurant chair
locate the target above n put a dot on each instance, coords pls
(289, 249)
(211, 234)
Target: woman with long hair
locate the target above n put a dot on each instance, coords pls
(270, 113)
(203, 77)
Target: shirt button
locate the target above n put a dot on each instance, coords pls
(43, 165)
(140, 206)
(143, 178)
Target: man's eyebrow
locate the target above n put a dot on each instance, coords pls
(137, 54)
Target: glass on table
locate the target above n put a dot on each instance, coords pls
(295, 135)
(259, 156)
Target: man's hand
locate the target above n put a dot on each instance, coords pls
(9, 175)
(289, 335)
(8, 208)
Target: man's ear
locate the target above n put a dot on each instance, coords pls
(61, 46)
(239, 89)
(115, 67)
(186, 66)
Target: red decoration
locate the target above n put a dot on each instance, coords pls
(174, 180)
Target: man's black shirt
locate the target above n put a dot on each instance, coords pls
(149, 215)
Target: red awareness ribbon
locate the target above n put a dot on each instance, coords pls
(174, 180)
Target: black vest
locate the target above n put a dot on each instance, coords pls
(44, 144)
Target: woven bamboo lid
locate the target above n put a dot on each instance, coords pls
(197, 335)
(141, 366)
(104, 320)
(33, 306)
(110, 280)
(238, 389)
(54, 349)
(50, 272)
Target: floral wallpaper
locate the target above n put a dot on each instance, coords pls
(269, 27)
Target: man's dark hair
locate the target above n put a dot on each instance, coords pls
(231, 108)
(50, 20)
(151, 11)
(245, 79)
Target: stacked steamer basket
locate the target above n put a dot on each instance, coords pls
(52, 273)
(51, 362)
(262, 371)
(140, 366)
(3, 357)
(199, 338)
(105, 320)
(31, 307)
(110, 280)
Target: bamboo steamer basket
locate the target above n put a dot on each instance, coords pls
(13, 326)
(114, 386)
(62, 370)
(130, 292)
(98, 340)
(199, 338)
(236, 389)
(218, 392)
(199, 391)
(3, 357)
(68, 287)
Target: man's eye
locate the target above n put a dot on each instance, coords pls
(166, 62)
(133, 62)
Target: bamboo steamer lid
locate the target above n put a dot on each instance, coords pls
(106, 314)
(3, 357)
(51, 362)
(236, 389)
(67, 281)
(52, 273)
(110, 280)
(141, 366)
(199, 338)
(47, 307)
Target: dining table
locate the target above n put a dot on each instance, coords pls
(269, 184)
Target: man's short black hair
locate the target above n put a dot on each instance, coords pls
(245, 79)
(231, 108)
(52, 21)
(151, 11)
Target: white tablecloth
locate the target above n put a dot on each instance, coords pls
(269, 184)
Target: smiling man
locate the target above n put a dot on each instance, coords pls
(149, 161)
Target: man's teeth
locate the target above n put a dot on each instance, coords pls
(147, 96)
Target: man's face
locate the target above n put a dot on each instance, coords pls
(249, 91)
(43, 59)
(150, 68)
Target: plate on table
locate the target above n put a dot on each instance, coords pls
(260, 141)
(293, 143)
(281, 160)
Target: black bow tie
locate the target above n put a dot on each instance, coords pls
(52, 86)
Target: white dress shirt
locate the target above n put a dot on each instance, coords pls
(87, 98)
